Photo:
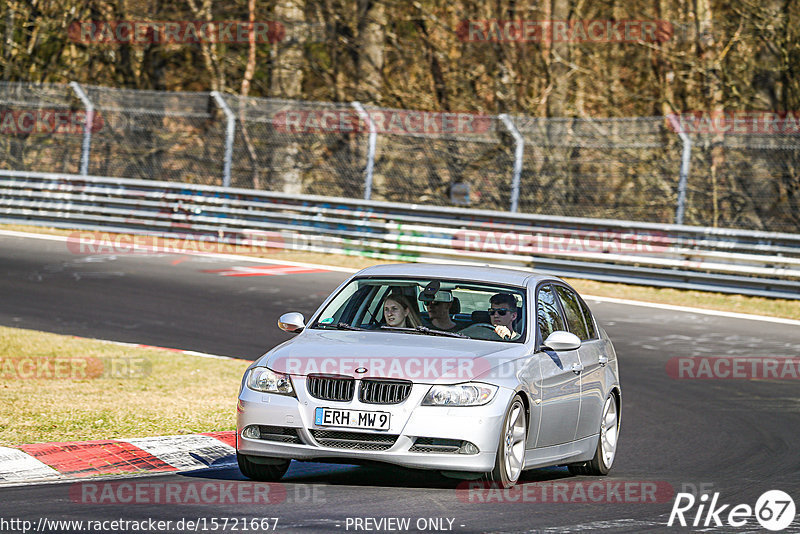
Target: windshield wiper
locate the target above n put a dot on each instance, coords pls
(400, 329)
(423, 330)
(435, 332)
(346, 326)
(339, 326)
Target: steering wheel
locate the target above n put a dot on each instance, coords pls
(480, 331)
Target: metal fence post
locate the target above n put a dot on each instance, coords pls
(686, 158)
(230, 130)
(519, 150)
(373, 139)
(87, 127)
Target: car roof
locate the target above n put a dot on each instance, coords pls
(515, 277)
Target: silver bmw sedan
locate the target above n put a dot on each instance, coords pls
(476, 372)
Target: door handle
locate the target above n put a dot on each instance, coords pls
(577, 368)
(602, 360)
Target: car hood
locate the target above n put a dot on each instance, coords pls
(420, 358)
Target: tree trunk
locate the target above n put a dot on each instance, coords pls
(371, 27)
(708, 55)
(208, 50)
(771, 82)
(287, 82)
(431, 54)
(768, 72)
(663, 64)
(558, 63)
(248, 76)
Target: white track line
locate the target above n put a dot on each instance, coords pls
(48, 237)
(234, 257)
(686, 309)
(141, 346)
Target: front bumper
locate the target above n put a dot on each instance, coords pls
(479, 425)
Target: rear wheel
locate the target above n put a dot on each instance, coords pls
(511, 450)
(262, 469)
(606, 444)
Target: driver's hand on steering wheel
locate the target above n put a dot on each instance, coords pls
(502, 331)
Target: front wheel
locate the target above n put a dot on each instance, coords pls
(264, 470)
(511, 450)
(606, 444)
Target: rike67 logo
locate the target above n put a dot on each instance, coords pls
(774, 510)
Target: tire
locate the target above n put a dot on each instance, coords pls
(263, 472)
(511, 450)
(606, 449)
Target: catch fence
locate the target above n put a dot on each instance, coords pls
(652, 169)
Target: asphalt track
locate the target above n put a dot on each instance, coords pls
(735, 437)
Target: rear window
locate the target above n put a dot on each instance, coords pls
(573, 311)
(548, 318)
(587, 317)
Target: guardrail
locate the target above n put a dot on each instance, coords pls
(709, 259)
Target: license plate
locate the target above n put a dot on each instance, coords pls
(351, 418)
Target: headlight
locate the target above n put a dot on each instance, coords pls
(460, 395)
(268, 381)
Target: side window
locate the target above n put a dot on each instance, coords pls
(574, 312)
(547, 315)
(341, 307)
(371, 312)
(587, 316)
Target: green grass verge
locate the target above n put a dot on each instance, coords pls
(62, 388)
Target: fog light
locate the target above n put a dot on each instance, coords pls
(468, 448)
(252, 432)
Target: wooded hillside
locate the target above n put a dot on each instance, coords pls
(710, 55)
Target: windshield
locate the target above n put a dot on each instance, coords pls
(456, 308)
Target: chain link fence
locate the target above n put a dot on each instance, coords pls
(442, 158)
(640, 169)
(29, 135)
(175, 137)
(609, 168)
(745, 181)
(294, 147)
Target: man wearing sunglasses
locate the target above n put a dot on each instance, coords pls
(502, 314)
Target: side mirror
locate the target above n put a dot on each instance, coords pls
(561, 340)
(292, 322)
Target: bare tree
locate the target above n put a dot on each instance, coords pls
(287, 82)
(211, 59)
(710, 73)
(249, 71)
(371, 27)
(558, 56)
